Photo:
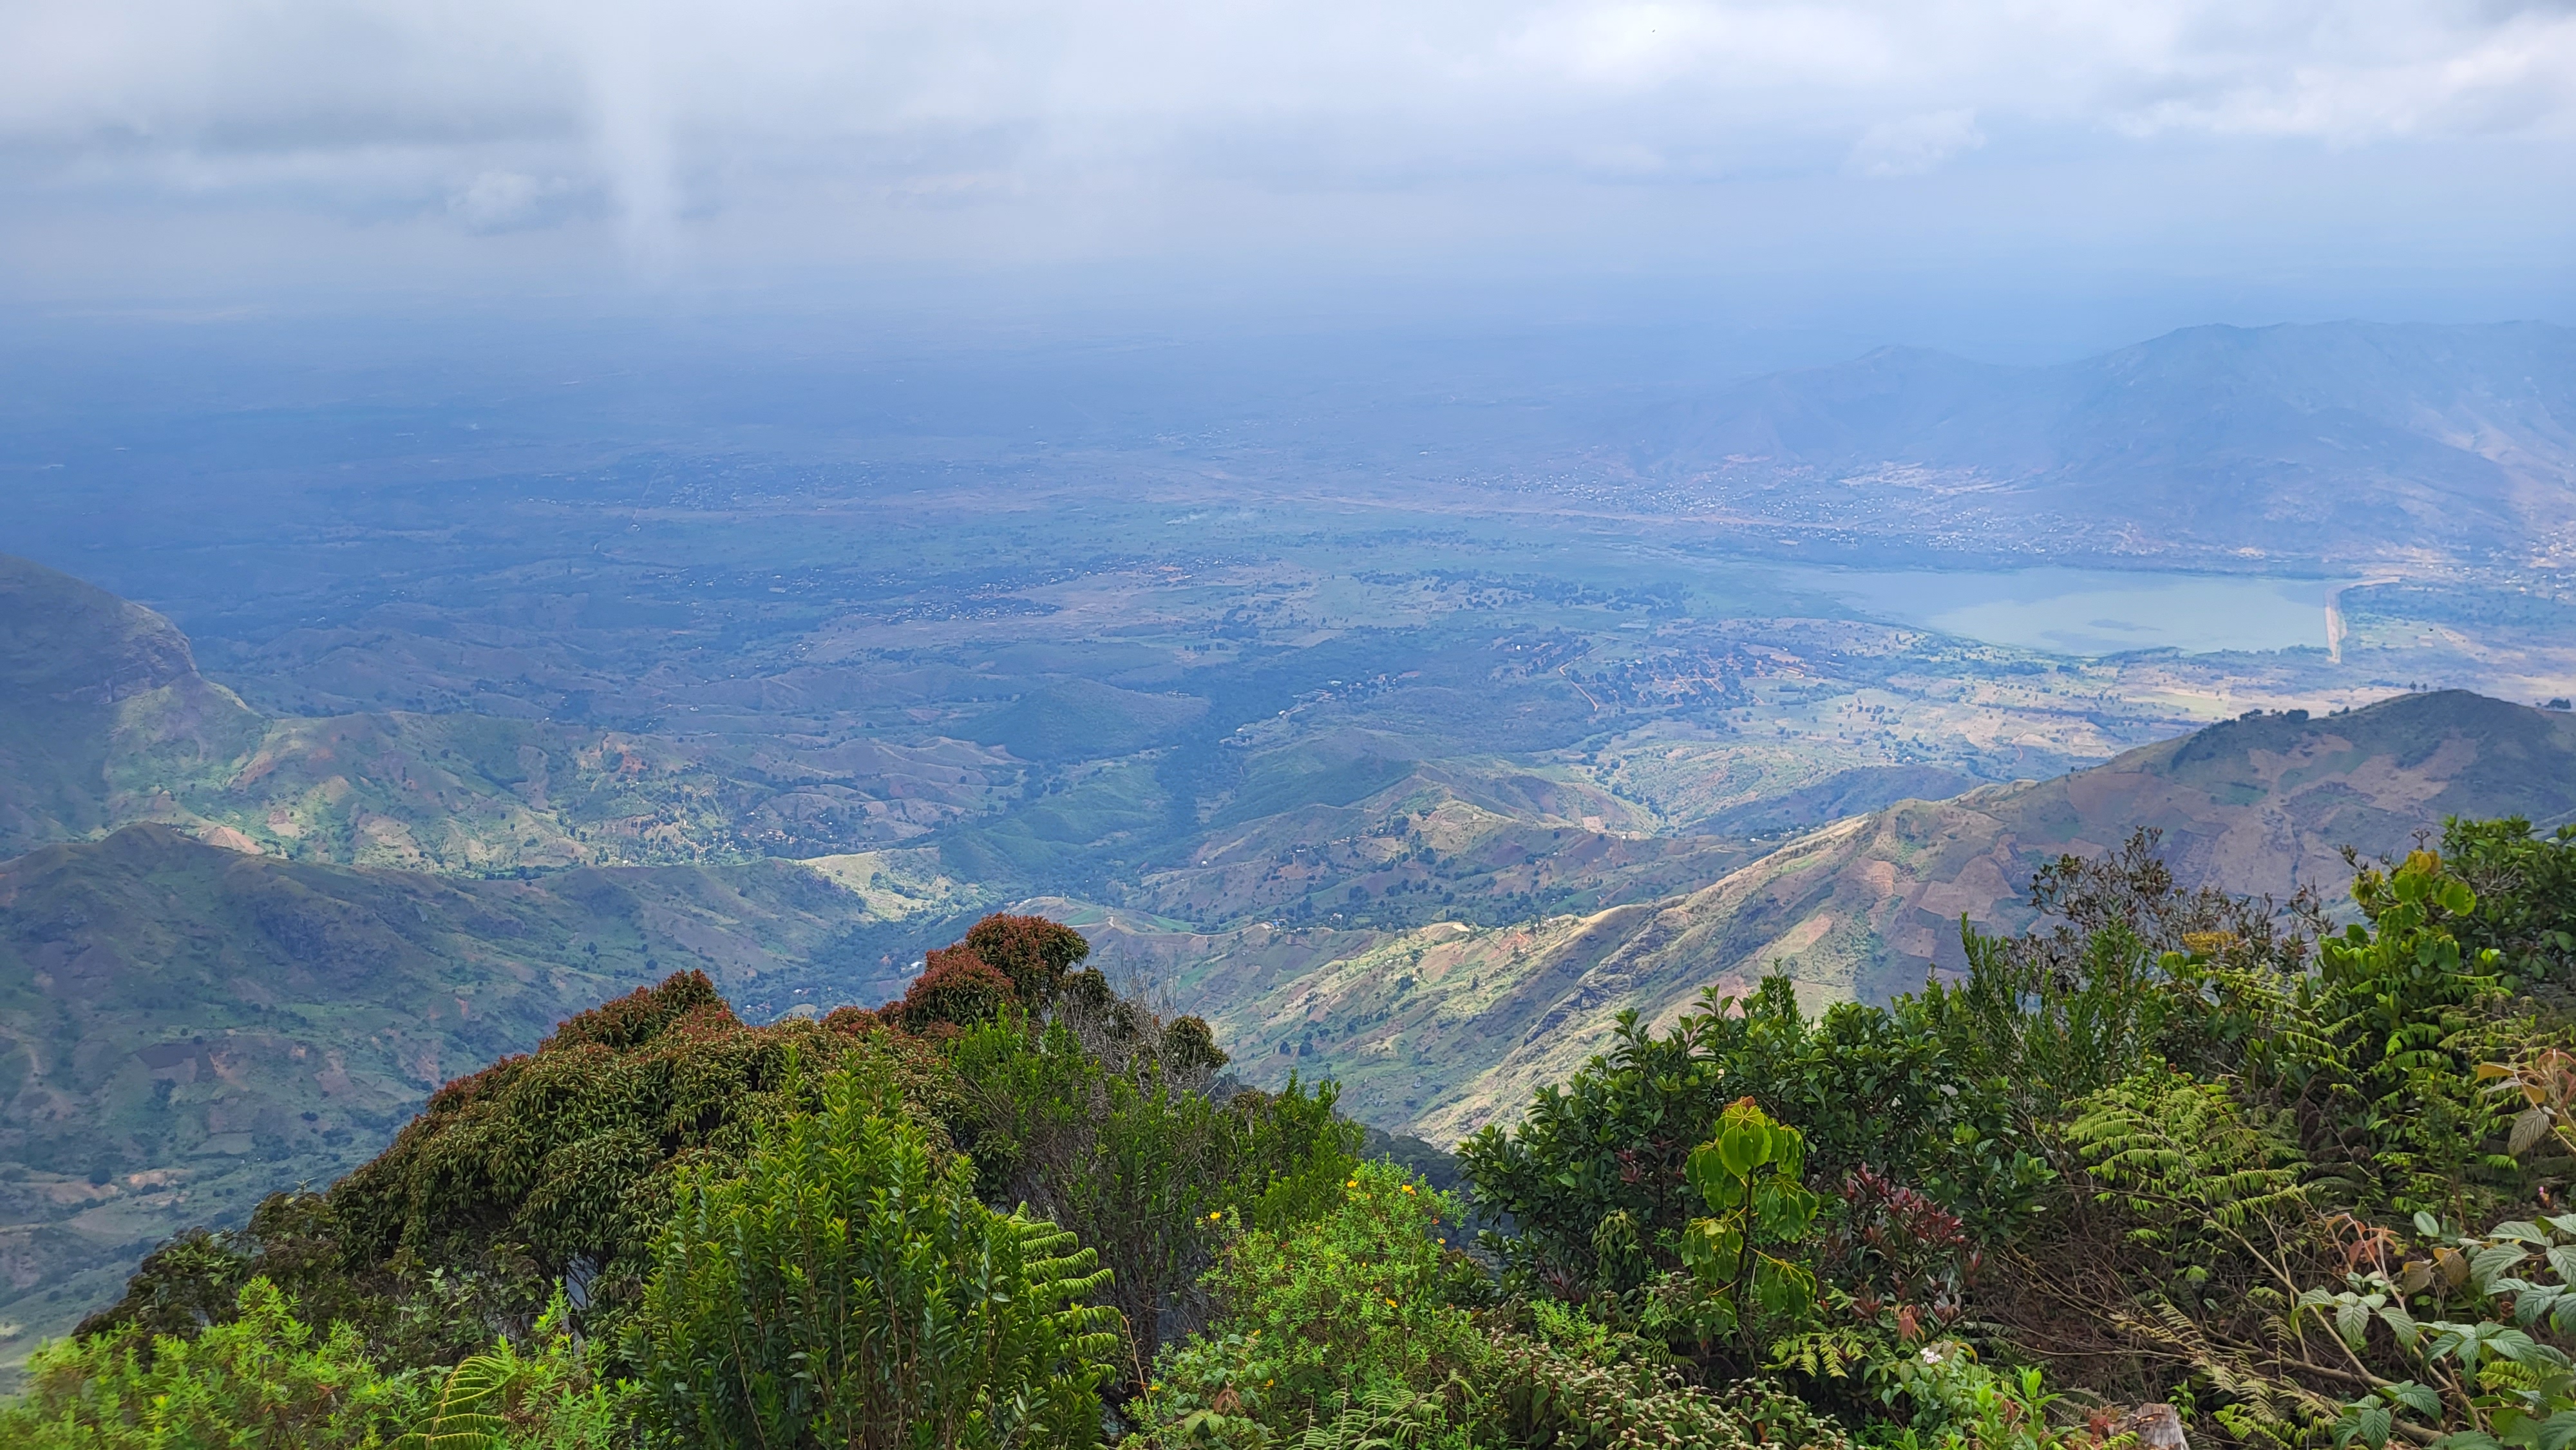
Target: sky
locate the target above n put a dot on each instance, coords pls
(2045, 175)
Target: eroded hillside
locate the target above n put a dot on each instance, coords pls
(1438, 1029)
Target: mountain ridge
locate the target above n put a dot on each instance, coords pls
(1438, 1029)
(105, 722)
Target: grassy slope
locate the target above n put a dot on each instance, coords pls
(1477, 837)
(1442, 1028)
(184, 1028)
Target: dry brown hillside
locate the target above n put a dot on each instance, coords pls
(1440, 1029)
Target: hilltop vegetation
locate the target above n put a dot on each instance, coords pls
(2170, 1162)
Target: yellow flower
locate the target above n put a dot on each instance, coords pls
(1390, 1303)
(1354, 1183)
(1408, 1188)
(1213, 1216)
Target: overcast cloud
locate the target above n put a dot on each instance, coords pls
(664, 138)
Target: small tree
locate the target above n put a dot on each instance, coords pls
(1123, 1140)
(2407, 1017)
(1032, 951)
(1760, 1213)
(849, 1290)
(958, 988)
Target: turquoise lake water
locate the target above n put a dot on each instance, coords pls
(2091, 611)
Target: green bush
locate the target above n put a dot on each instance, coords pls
(1356, 1302)
(1367, 1327)
(1595, 1176)
(570, 1150)
(2043, 1027)
(1952, 1091)
(2409, 1014)
(1111, 1124)
(2481, 1328)
(847, 1289)
(2525, 885)
(1953, 1401)
(2212, 1194)
(262, 1380)
(560, 1163)
(556, 1398)
(1609, 1390)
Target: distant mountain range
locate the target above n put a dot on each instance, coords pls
(1441, 1029)
(105, 721)
(2345, 442)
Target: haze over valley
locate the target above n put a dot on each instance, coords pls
(1721, 723)
(1406, 747)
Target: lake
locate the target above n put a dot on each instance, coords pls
(2091, 611)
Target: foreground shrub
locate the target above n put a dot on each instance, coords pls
(571, 1150)
(261, 1381)
(1595, 1177)
(1957, 1402)
(2525, 887)
(1577, 1383)
(2407, 1015)
(849, 1290)
(553, 1397)
(1114, 1125)
(1749, 1254)
(1366, 1327)
(558, 1164)
(1353, 1303)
